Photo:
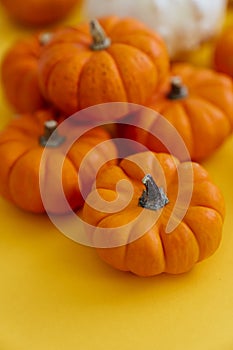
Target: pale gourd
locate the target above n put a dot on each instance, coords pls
(183, 24)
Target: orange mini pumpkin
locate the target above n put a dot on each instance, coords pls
(145, 246)
(113, 60)
(23, 174)
(19, 74)
(223, 52)
(198, 102)
(38, 12)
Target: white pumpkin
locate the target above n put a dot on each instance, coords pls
(183, 24)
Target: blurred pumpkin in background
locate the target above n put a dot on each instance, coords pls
(223, 52)
(38, 12)
(19, 73)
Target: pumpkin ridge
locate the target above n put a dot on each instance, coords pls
(46, 175)
(80, 79)
(153, 127)
(13, 165)
(224, 114)
(111, 26)
(17, 139)
(21, 61)
(85, 140)
(119, 72)
(179, 235)
(193, 134)
(140, 50)
(140, 53)
(99, 90)
(149, 249)
(196, 234)
(76, 168)
(108, 215)
(70, 159)
(193, 234)
(182, 104)
(127, 246)
(135, 26)
(146, 135)
(11, 93)
(46, 172)
(210, 208)
(160, 230)
(163, 109)
(91, 143)
(134, 47)
(155, 58)
(21, 101)
(24, 131)
(119, 213)
(46, 82)
(205, 107)
(200, 99)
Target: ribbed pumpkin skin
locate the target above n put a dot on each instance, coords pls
(73, 76)
(196, 237)
(21, 170)
(223, 52)
(19, 74)
(38, 12)
(204, 119)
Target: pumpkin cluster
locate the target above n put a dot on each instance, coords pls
(51, 76)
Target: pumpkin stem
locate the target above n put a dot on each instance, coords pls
(100, 40)
(153, 197)
(178, 90)
(45, 38)
(51, 138)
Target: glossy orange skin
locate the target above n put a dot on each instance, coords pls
(21, 155)
(73, 76)
(196, 237)
(204, 119)
(38, 12)
(19, 74)
(223, 52)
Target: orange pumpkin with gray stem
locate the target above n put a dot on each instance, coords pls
(198, 102)
(22, 171)
(110, 60)
(142, 244)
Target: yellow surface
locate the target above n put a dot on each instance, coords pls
(57, 295)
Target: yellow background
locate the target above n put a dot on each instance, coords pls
(57, 294)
